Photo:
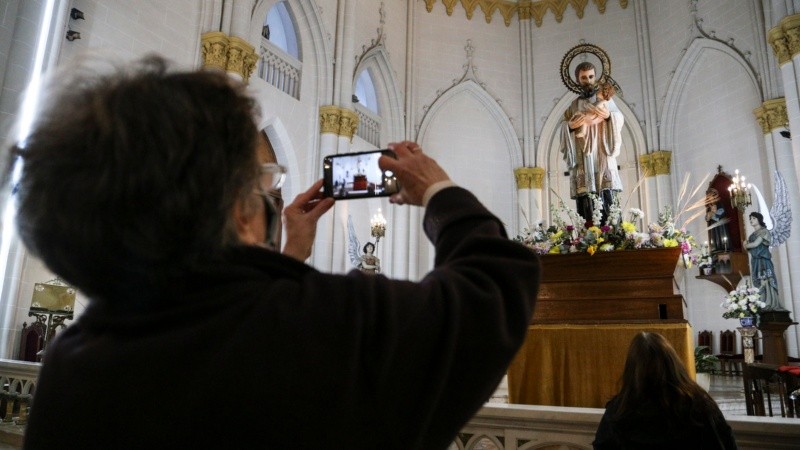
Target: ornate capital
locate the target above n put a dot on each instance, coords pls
(791, 29)
(214, 49)
(772, 114)
(329, 116)
(529, 177)
(646, 163)
(241, 57)
(525, 10)
(661, 161)
(348, 123)
(780, 46)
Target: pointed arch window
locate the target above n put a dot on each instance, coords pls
(367, 107)
(281, 58)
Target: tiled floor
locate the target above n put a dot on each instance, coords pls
(728, 391)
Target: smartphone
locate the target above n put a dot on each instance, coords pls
(357, 175)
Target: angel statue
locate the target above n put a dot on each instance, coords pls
(771, 229)
(363, 259)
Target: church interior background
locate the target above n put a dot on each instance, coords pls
(707, 85)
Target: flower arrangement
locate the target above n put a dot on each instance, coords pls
(744, 301)
(569, 233)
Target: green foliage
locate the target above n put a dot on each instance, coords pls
(704, 361)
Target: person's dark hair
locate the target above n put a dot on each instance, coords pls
(760, 218)
(655, 375)
(129, 177)
(584, 66)
(369, 244)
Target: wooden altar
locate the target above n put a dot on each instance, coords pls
(588, 310)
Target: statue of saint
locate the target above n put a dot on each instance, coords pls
(591, 140)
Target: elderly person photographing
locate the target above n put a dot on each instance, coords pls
(147, 194)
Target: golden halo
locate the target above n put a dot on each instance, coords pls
(605, 69)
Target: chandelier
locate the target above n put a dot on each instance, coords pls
(739, 191)
(378, 226)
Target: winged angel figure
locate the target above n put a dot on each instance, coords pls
(363, 259)
(772, 228)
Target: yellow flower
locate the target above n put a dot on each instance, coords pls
(555, 249)
(594, 230)
(591, 249)
(670, 243)
(600, 240)
(628, 227)
(555, 237)
(607, 247)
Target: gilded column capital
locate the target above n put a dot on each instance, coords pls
(241, 57)
(524, 9)
(329, 116)
(646, 163)
(215, 49)
(772, 114)
(348, 123)
(777, 40)
(791, 29)
(661, 161)
(529, 177)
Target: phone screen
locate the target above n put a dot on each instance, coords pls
(357, 175)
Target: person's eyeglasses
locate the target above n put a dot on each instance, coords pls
(272, 177)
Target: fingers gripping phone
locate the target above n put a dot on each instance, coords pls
(357, 175)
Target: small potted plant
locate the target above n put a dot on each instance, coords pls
(704, 364)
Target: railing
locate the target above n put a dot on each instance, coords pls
(496, 426)
(280, 69)
(369, 125)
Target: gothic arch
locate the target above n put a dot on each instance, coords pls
(390, 97)
(682, 73)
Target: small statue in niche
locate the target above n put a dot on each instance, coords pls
(717, 221)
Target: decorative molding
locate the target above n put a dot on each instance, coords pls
(338, 121)
(374, 44)
(661, 160)
(348, 123)
(646, 163)
(780, 45)
(242, 58)
(791, 29)
(215, 49)
(228, 53)
(524, 9)
(329, 116)
(772, 114)
(529, 177)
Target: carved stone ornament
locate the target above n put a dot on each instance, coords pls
(214, 49)
(348, 123)
(529, 177)
(241, 58)
(772, 114)
(525, 9)
(605, 70)
(777, 39)
(329, 119)
(646, 163)
(661, 161)
(791, 29)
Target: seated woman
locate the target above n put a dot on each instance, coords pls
(660, 406)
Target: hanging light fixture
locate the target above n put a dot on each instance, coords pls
(378, 226)
(740, 192)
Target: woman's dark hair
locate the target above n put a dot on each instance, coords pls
(655, 375)
(369, 244)
(129, 177)
(760, 218)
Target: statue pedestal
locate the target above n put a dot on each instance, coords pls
(748, 333)
(773, 324)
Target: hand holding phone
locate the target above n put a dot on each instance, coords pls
(357, 175)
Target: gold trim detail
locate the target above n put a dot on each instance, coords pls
(525, 9)
(791, 29)
(646, 163)
(780, 46)
(348, 123)
(329, 119)
(241, 57)
(661, 161)
(338, 121)
(214, 49)
(529, 177)
(772, 114)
